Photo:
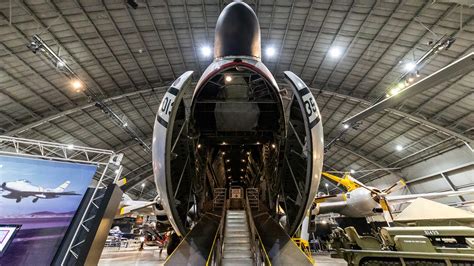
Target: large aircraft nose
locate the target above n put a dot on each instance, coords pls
(237, 32)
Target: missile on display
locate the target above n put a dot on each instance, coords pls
(236, 127)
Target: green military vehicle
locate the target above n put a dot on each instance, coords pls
(418, 245)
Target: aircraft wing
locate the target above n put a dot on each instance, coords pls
(328, 207)
(142, 208)
(330, 198)
(64, 193)
(435, 195)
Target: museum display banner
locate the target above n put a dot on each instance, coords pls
(39, 198)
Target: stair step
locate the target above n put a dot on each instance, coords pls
(236, 217)
(237, 234)
(238, 254)
(236, 212)
(234, 247)
(236, 262)
(235, 240)
(240, 220)
(237, 227)
(231, 220)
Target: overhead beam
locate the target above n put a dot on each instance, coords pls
(360, 156)
(414, 118)
(459, 67)
(76, 109)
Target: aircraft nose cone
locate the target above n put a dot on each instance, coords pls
(237, 32)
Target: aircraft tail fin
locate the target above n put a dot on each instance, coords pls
(63, 186)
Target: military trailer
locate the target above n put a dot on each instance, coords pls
(421, 245)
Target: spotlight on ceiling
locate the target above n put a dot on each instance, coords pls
(227, 160)
(326, 185)
(270, 51)
(243, 160)
(410, 66)
(345, 126)
(228, 78)
(199, 146)
(76, 84)
(60, 64)
(397, 89)
(70, 146)
(352, 171)
(206, 51)
(399, 147)
(132, 3)
(143, 184)
(273, 146)
(335, 52)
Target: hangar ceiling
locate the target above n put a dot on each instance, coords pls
(128, 57)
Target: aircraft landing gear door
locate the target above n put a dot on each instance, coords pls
(303, 160)
(169, 125)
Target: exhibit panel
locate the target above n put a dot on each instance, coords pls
(45, 197)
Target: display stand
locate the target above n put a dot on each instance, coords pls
(108, 172)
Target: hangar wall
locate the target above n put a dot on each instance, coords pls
(451, 170)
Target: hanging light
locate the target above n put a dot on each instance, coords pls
(76, 84)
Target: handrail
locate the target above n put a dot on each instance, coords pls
(257, 248)
(214, 257)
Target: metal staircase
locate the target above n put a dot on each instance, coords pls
(252, 196)
(237, 245)
(219, 198)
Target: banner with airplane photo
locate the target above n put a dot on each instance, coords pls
(41, 197)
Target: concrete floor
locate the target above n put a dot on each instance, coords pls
(148, 256)
(326, 260)
(151, 256)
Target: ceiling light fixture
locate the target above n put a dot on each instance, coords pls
(228, 78)
(76, 84)
(270, 51)
(70, 146)
(410, 66)
(399, 148)
(335, 52)
(206, 51)
(352, 171)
